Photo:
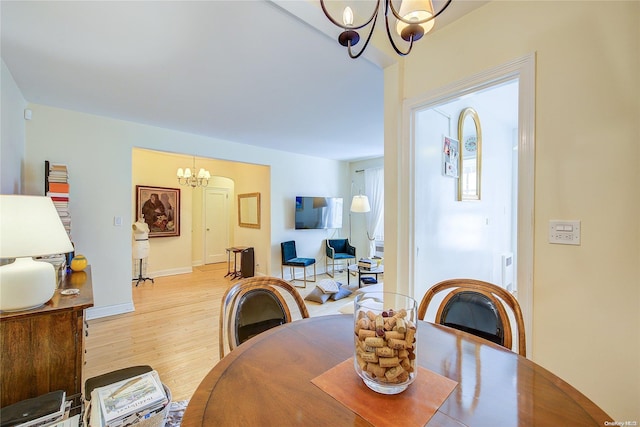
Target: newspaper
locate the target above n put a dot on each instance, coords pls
(127, 402)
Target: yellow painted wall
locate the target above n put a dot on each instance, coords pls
(175, 255)
(586, 322)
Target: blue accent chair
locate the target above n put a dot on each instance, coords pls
(290, 259)
(338, 250)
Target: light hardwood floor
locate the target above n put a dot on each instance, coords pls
(174, 328)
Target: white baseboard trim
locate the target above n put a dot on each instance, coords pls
(171, 272)
(109, 310)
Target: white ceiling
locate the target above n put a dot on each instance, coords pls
(243, 71)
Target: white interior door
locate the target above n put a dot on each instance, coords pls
(216, 224)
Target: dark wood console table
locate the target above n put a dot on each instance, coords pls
(43, 348)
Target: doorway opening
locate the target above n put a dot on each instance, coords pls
(491, 238)
(469, 238)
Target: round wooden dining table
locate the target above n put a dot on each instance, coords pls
(267, 381)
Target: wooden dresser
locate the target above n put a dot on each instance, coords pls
(43, 349)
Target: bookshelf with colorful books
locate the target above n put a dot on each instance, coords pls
(56, 186)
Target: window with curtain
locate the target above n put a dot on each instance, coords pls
(374, 189)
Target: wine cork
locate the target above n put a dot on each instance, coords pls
(376, 369)
(387, 362)
(400, 313)
(362, 323)
(362, 363)
(365, 333)
(379, 322)
(410, 336)
(370, 357)
(393, 372)
(397, 344)
(393, 335)
(402, 377)
(391, 322)
(385, 351)
(374, 341)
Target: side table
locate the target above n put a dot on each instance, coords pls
(363, 271)
(236, 273)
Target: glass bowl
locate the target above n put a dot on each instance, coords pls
(385, 340)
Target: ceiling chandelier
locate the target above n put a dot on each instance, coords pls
(414, 19)
(186, 177)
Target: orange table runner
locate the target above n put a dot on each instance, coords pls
(413, 407)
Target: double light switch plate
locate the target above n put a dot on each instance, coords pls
(564, 232)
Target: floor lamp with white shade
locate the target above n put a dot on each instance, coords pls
(359, 204)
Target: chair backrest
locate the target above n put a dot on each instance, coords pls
(254, 305)
(477, 307)
(340, 245)
(288, 250)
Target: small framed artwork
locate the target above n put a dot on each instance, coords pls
(450, 156)
(159, 207)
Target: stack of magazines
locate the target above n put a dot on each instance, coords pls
(39, 411)
(365, 263)
(127, 402)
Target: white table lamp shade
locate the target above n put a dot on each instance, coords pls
(29, 226)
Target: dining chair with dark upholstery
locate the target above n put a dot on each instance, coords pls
(290, 259)
(254, 305)
(479, 308)
(339, 250)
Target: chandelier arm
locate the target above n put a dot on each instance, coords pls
(389, 5)
(366, 43)
(351, 27)
(393, 44)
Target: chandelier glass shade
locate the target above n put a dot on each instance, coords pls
(414, 19)
(187, 177)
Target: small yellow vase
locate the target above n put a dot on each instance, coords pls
(78, 263)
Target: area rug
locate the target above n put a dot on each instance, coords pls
(176, 412)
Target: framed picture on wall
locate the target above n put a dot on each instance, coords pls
(159, 207)
(450, 156)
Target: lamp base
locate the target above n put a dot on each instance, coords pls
(26, 284)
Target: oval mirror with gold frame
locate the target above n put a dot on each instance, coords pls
(470, 137)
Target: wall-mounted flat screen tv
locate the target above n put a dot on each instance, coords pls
(318, 212)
